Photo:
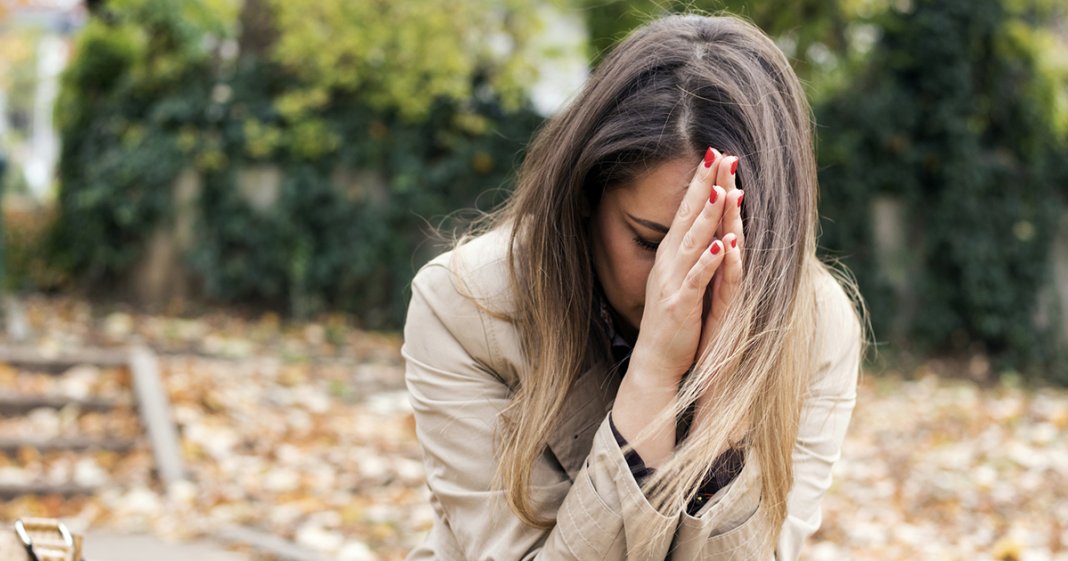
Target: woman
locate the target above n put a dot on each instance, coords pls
(628, 362)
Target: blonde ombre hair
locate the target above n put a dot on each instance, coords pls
(672, 88)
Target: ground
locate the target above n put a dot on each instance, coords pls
(303, 429)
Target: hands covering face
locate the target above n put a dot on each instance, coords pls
(700, 255)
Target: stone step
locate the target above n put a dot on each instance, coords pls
(18, 404)
(33, 359)
(9, 491)
(76, 444)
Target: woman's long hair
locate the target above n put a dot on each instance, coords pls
(672, 88)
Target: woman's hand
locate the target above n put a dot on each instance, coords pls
(672, 327)
(726, 285)
(672, 323)
(728, 279)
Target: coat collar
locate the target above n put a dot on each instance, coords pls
(593, 392)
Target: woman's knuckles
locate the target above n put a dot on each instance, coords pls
(672, 306)
(684, 210)
(694, 281)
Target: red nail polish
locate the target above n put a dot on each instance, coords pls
(712, 198)
(710, 157)
(740, 197)
(734, 166)
(715, 247)
(734, 242)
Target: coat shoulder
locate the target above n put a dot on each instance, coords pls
(469, 291)
(476, 272)
(839, 338)
(832, 299)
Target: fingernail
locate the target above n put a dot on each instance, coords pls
(710, 157)
(715, 247)
(734, 242)
(734, 166)
(714, 196)
(740, 197)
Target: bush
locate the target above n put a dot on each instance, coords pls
(945, 118)
(153, 91)
(138, 83)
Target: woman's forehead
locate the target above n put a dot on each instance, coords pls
(657, 193)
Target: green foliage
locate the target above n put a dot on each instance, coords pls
(366, 154)
(140, 79)
(350, 227)
(24, 228)
(815, 34)
(357, 47)
(944, 119)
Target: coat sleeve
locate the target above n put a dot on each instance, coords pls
(825, 416)
(457, 391)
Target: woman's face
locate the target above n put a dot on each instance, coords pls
(627, 226)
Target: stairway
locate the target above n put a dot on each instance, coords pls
(74, 423)
(77, 423)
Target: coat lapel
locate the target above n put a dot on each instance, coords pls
(584, 408)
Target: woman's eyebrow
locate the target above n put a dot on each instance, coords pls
(648, 223)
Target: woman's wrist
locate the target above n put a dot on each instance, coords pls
(644, 394)
(651, 373)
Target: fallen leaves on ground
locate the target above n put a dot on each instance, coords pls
(304, 430)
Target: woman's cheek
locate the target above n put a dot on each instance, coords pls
(637, 280)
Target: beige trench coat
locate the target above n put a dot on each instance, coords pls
(461, 366)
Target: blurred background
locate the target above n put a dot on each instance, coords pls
(211, 210)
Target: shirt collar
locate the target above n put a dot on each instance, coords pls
(620, 346)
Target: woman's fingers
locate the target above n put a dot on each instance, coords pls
(697, 279)
(732, 270)
(726, 287)
(732, 217)
(726, 175)
(693, 202)
(696, 239)
(726, 172)
(728, 282)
